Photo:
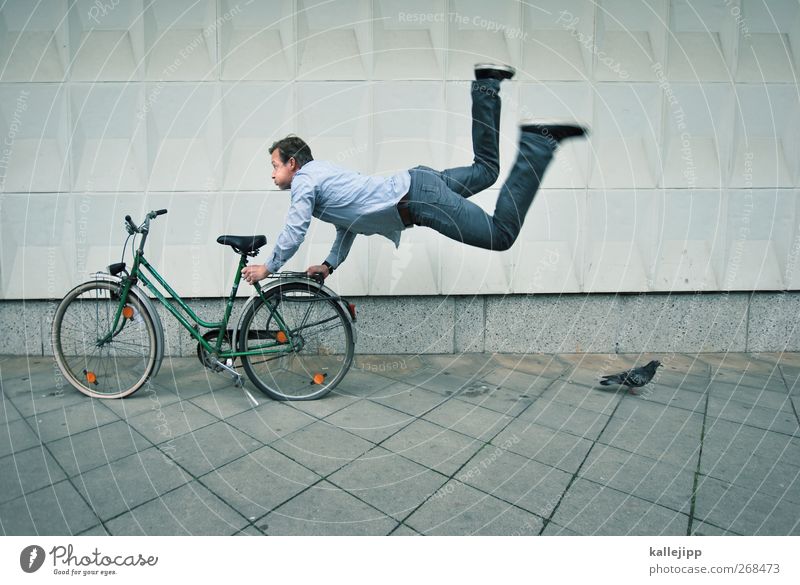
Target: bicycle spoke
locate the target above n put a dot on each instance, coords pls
(116, 367)
(320, 337)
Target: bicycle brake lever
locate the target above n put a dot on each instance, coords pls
(129, 225)
(318, 277)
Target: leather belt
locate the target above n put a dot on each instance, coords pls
(405, 213)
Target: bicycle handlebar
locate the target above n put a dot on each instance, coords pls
(132, 228)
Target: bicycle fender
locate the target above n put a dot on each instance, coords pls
(151, 311)
(281, 281)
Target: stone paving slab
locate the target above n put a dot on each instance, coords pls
(115, 488)
(323, 509)
(745, 511)
(506, 444)
(84, 451)
(56, 509)
(191, 509)
(16, 436)
(388, 481)
(590, 508)
(59, 423)
(259, 482)
(458, 509)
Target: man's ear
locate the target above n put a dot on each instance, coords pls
(292, 164)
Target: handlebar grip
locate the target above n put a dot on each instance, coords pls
(130, 226)
(161, 212)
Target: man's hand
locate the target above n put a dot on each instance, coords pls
(253, 274)
(312, 270)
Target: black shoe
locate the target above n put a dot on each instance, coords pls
(494, 71)
(558, 130)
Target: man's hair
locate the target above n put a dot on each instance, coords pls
(292, 147)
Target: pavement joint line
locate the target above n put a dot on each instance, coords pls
(577, 471)
(46, 449)
(452, 476)
(131, 509)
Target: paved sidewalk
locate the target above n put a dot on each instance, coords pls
(444, 444)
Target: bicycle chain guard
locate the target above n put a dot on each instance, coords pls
(206, 358)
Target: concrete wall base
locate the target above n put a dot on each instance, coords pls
(596, 323)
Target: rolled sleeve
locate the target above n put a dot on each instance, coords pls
(298, 218)
(341, 246)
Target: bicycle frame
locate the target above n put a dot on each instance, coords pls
(140, 265)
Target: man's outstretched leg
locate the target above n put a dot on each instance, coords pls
(433, 204)
(482, 173)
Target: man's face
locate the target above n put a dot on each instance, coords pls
(282, 173)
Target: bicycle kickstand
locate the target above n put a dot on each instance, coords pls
(238, 381)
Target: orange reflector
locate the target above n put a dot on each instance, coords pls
(281, 337)
(127, 312)
(352, 308)
(319, 378)
(91, 378)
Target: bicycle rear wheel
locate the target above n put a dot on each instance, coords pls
(317, 337)
(95, 361)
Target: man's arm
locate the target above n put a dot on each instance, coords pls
(298, 218)
(339, 251)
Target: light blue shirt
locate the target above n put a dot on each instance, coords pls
(354, 203)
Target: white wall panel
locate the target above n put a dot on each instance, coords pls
(33, 38)
(702, 39)
(182, 244)
(257, 40)
(180, 40)
(334, 39)
(557, 40)
(98, 228)
(106, 44)
(408, 126)
(109, 146)
(766, 143)
(690, 232)
(457, 146)
(481, 32)
(626, 136)
(334, 118)
(34, 124)
(411, 269)
(184, 136)
(630, 37)
(698, 135)
(409, 37)
(689, 180)
(550, 247)
(620, 241)
(565, 101)
(253, 117)
(37, 248)
(758, 224)
(469, 270)
(768, 48)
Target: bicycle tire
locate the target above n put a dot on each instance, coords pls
(324, 333)
(114, 369)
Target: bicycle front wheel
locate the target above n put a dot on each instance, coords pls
(305, 341)
(99, 360)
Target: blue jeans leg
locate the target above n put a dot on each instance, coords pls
(482, 173)
(434, 204)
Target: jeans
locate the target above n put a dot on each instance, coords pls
(440, 199)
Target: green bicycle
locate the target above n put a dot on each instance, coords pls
(295, 337)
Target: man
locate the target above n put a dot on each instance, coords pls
(358, 204)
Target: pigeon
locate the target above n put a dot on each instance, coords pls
(633, 378)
